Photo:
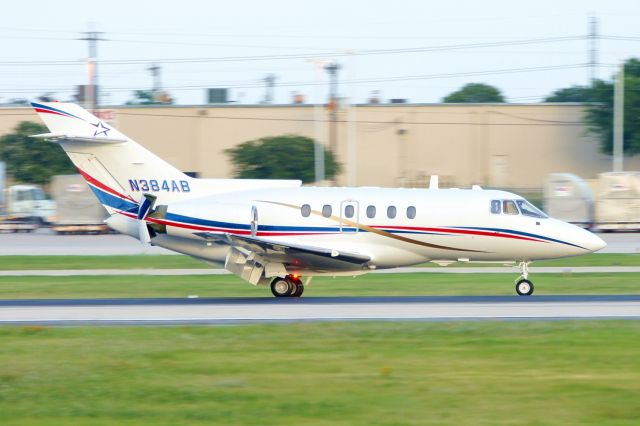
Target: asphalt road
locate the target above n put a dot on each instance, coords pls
(45, 242)
(243, 310)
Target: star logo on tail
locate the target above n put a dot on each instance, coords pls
(101, 129)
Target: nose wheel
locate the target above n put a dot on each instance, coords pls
(288, 286)
(524, 287)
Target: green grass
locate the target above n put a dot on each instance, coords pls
(593, 259)
(365, 285)
(181, 261)
(363, 373)
(8, 263)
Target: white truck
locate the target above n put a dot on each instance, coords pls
(23, 208)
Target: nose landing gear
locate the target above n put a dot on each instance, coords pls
(524, 287)
(289, 286)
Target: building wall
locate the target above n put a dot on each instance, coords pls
(495, 145)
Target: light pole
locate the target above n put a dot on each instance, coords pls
(332, 69)
(318, 152)
(618, 120)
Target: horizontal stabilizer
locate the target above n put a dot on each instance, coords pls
(60, 137)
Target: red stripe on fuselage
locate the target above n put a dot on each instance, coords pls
(104, 187)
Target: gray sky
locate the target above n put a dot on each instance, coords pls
(234, 44)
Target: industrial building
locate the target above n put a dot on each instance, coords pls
(494, 145)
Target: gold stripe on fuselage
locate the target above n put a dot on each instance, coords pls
(374, 230)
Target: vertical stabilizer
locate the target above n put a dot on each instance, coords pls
(117, 169)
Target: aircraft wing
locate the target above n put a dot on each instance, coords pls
(294, 255)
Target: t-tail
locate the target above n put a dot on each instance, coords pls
(118, 170)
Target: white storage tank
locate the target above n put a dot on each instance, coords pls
(567, 197)
(78, 209)
(618, 205)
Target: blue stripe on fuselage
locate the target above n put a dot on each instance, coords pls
(112, 201)
(524, 234)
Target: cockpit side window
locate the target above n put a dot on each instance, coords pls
(529, 209)
(509, 207)
(495, 207)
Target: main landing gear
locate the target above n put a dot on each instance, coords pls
(524, 287)
(289, 286)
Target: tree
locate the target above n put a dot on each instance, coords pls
(571, 94)
(475, 93)
(31, 160)
(150, 97)
(279, 157)
(599, 115)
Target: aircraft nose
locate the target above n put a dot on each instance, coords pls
(592, 242)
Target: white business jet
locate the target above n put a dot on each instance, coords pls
(273, 232)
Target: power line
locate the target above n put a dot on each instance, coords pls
(446, 123)
(252, 84)
(363, 52)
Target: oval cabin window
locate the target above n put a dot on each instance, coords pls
(411, 212)
(391, 212)
(349, 211)
(371, 212)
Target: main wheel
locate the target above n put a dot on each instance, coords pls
(524, 287)
(281, 287)
(299, 289)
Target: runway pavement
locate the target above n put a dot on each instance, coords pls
(243, 310)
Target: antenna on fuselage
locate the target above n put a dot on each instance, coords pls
(433, 182)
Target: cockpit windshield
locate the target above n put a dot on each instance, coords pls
(528, 209)
(516, 207)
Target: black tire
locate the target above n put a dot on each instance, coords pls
(524, 288)
(299, 289)
(281, 287)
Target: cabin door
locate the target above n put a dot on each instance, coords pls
(254, 221)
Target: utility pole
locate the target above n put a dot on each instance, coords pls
(593, 48)
(332, 69)
(157, 80)
(318, 149)
(92, 37)
(401, 131)
(618, 120)
(270, 82)
(352, 129)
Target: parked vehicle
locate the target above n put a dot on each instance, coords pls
(568, 197)
(23, 207)
(618, 201)
(611, 203)
(78, 210)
